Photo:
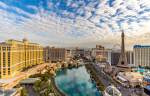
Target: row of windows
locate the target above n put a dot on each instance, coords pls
(13, 54)
(5, 48)
(4, 71)
(20, 48)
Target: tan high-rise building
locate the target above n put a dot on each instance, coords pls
(52, 54)
(101, 53)
(18, 55)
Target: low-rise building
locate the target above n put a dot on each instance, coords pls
(130, 78)
(146, 79)
(146, 82)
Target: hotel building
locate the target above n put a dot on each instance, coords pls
(52, 54)
(130, 57)
(101, 53)
(115, 54)
(141, 55)
(18, 55)
(78, 52)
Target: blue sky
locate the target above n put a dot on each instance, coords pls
(76, 22)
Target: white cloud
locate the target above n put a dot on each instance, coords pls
(49, 28)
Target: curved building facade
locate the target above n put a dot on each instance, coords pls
(17, 55)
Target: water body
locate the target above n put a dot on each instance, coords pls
(76, 82)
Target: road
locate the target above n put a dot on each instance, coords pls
(11, 82)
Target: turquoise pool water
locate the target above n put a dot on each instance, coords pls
(141, 70)
(76, 82)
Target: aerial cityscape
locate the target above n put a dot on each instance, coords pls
(74, 48)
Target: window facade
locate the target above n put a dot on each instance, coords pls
(18, 55)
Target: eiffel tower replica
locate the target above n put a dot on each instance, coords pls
(123, 64)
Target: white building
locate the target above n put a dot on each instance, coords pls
(141, 55)
(130, 78)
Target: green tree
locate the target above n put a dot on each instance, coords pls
(37, 86)
(49, 88)
(23, 92)
(44, 77)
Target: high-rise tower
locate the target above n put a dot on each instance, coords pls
(123, 64)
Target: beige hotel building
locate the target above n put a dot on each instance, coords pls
(141, 55)
(52, 54)
(18, 55)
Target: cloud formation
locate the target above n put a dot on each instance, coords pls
(76, 22)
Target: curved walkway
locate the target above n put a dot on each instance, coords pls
(95, 76)
(55, 89)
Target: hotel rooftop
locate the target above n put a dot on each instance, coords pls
(141, 46)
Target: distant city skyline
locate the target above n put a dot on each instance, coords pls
(71, 23)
